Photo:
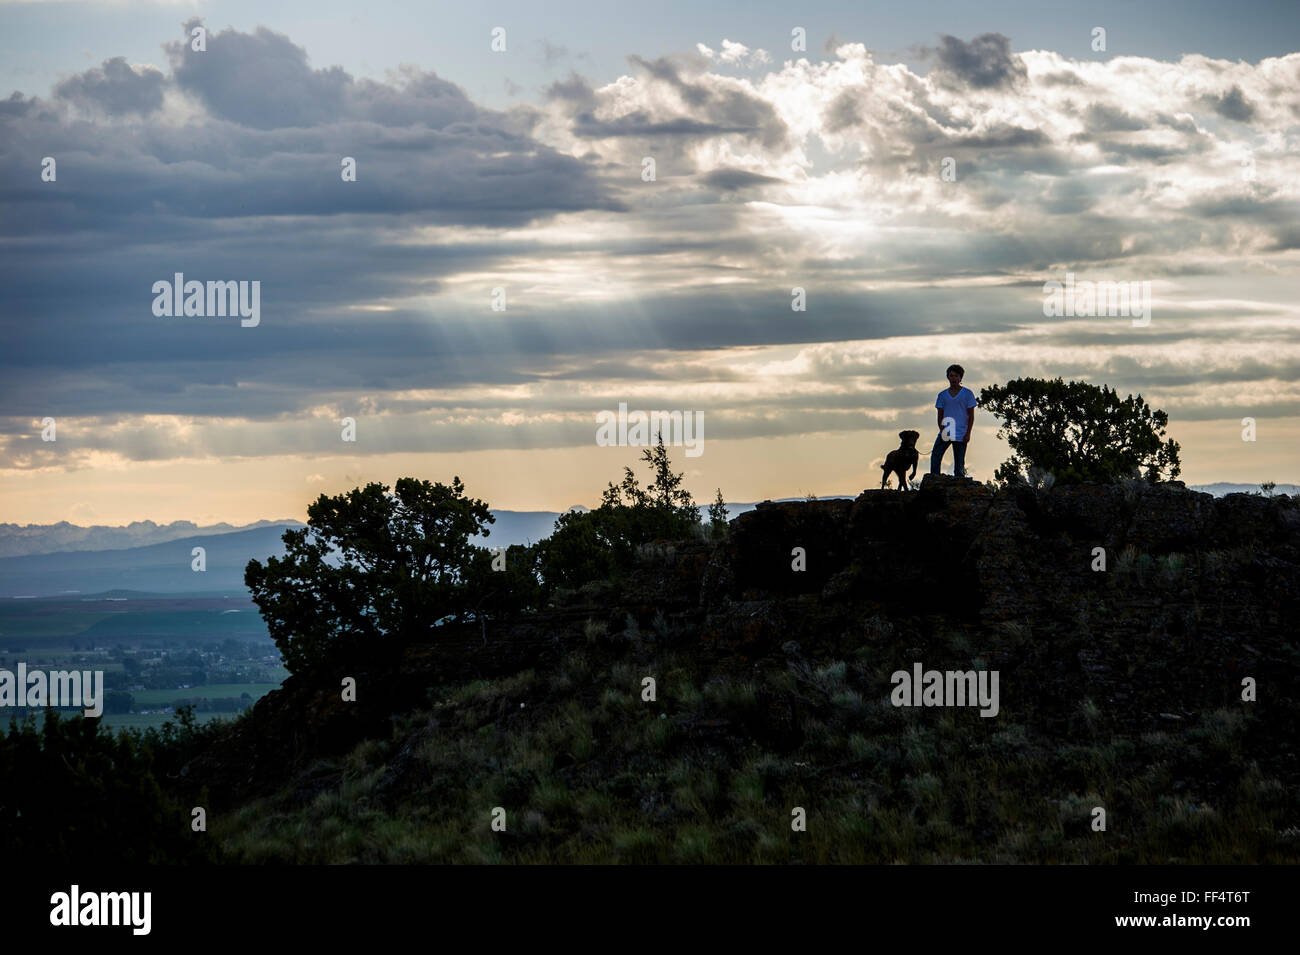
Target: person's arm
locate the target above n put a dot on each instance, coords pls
(970, 423)
(939, 415)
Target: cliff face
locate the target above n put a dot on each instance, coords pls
(1196, 593)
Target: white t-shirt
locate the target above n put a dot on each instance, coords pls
(954, 406)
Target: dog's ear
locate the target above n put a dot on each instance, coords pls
(902, 435)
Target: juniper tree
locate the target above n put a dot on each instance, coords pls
(370, 568)
(1079, 432)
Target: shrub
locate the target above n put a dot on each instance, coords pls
(604, 543)
(1079, 432)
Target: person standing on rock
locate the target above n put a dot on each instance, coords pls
(956, 407)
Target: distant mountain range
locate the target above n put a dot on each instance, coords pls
(156, 568)
(60, 559)
(17, 540)
(1220, 488)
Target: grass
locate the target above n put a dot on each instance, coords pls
(589, 773)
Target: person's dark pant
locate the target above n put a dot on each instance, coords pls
(958, 456)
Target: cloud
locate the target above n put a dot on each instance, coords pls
(722, 104)
(268, 141)
(575, 89)
(823, 175)
(1232, 105)
(552, 53)
(258, 79)
(728, 180)
(734, 54)
(986, 62)
(1103, 117)
(115, 88)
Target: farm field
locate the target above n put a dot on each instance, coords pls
(217, 691)
(145, 699)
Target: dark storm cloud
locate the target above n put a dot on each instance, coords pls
(574, 89)
(640, 123)
(115, 88)
(727, 108)
(1276, 216)
(1003, 138)
(1284, 239)
(1232, 105)
(1110, 119)
(258, 79)
(727, 180)
(272, 145)
(1120, 154)
(120, 359)
(986, 62)
(16, 105)
(1255, 207)
(250, 189)
(842, 114)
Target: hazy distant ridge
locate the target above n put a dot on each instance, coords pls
(18, 540)
(511, 527)
(63, 558)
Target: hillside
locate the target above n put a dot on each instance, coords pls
(1118, 689)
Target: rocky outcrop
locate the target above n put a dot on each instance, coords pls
(965, 551)
(1195, 593)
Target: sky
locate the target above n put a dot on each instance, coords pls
(502, 267)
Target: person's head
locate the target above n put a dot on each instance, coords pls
(955, 374)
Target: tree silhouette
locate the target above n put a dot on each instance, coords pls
(1079, 432)
(370, 568)
(598, 544)
(718, 516)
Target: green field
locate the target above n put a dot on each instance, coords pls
(58, 623)
(70, 659)
(216, 691)
(208, 624)
(154, 698)
(20, 622)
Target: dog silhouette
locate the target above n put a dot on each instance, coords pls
(900, 459)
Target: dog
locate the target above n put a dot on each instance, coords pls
(898, 460)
